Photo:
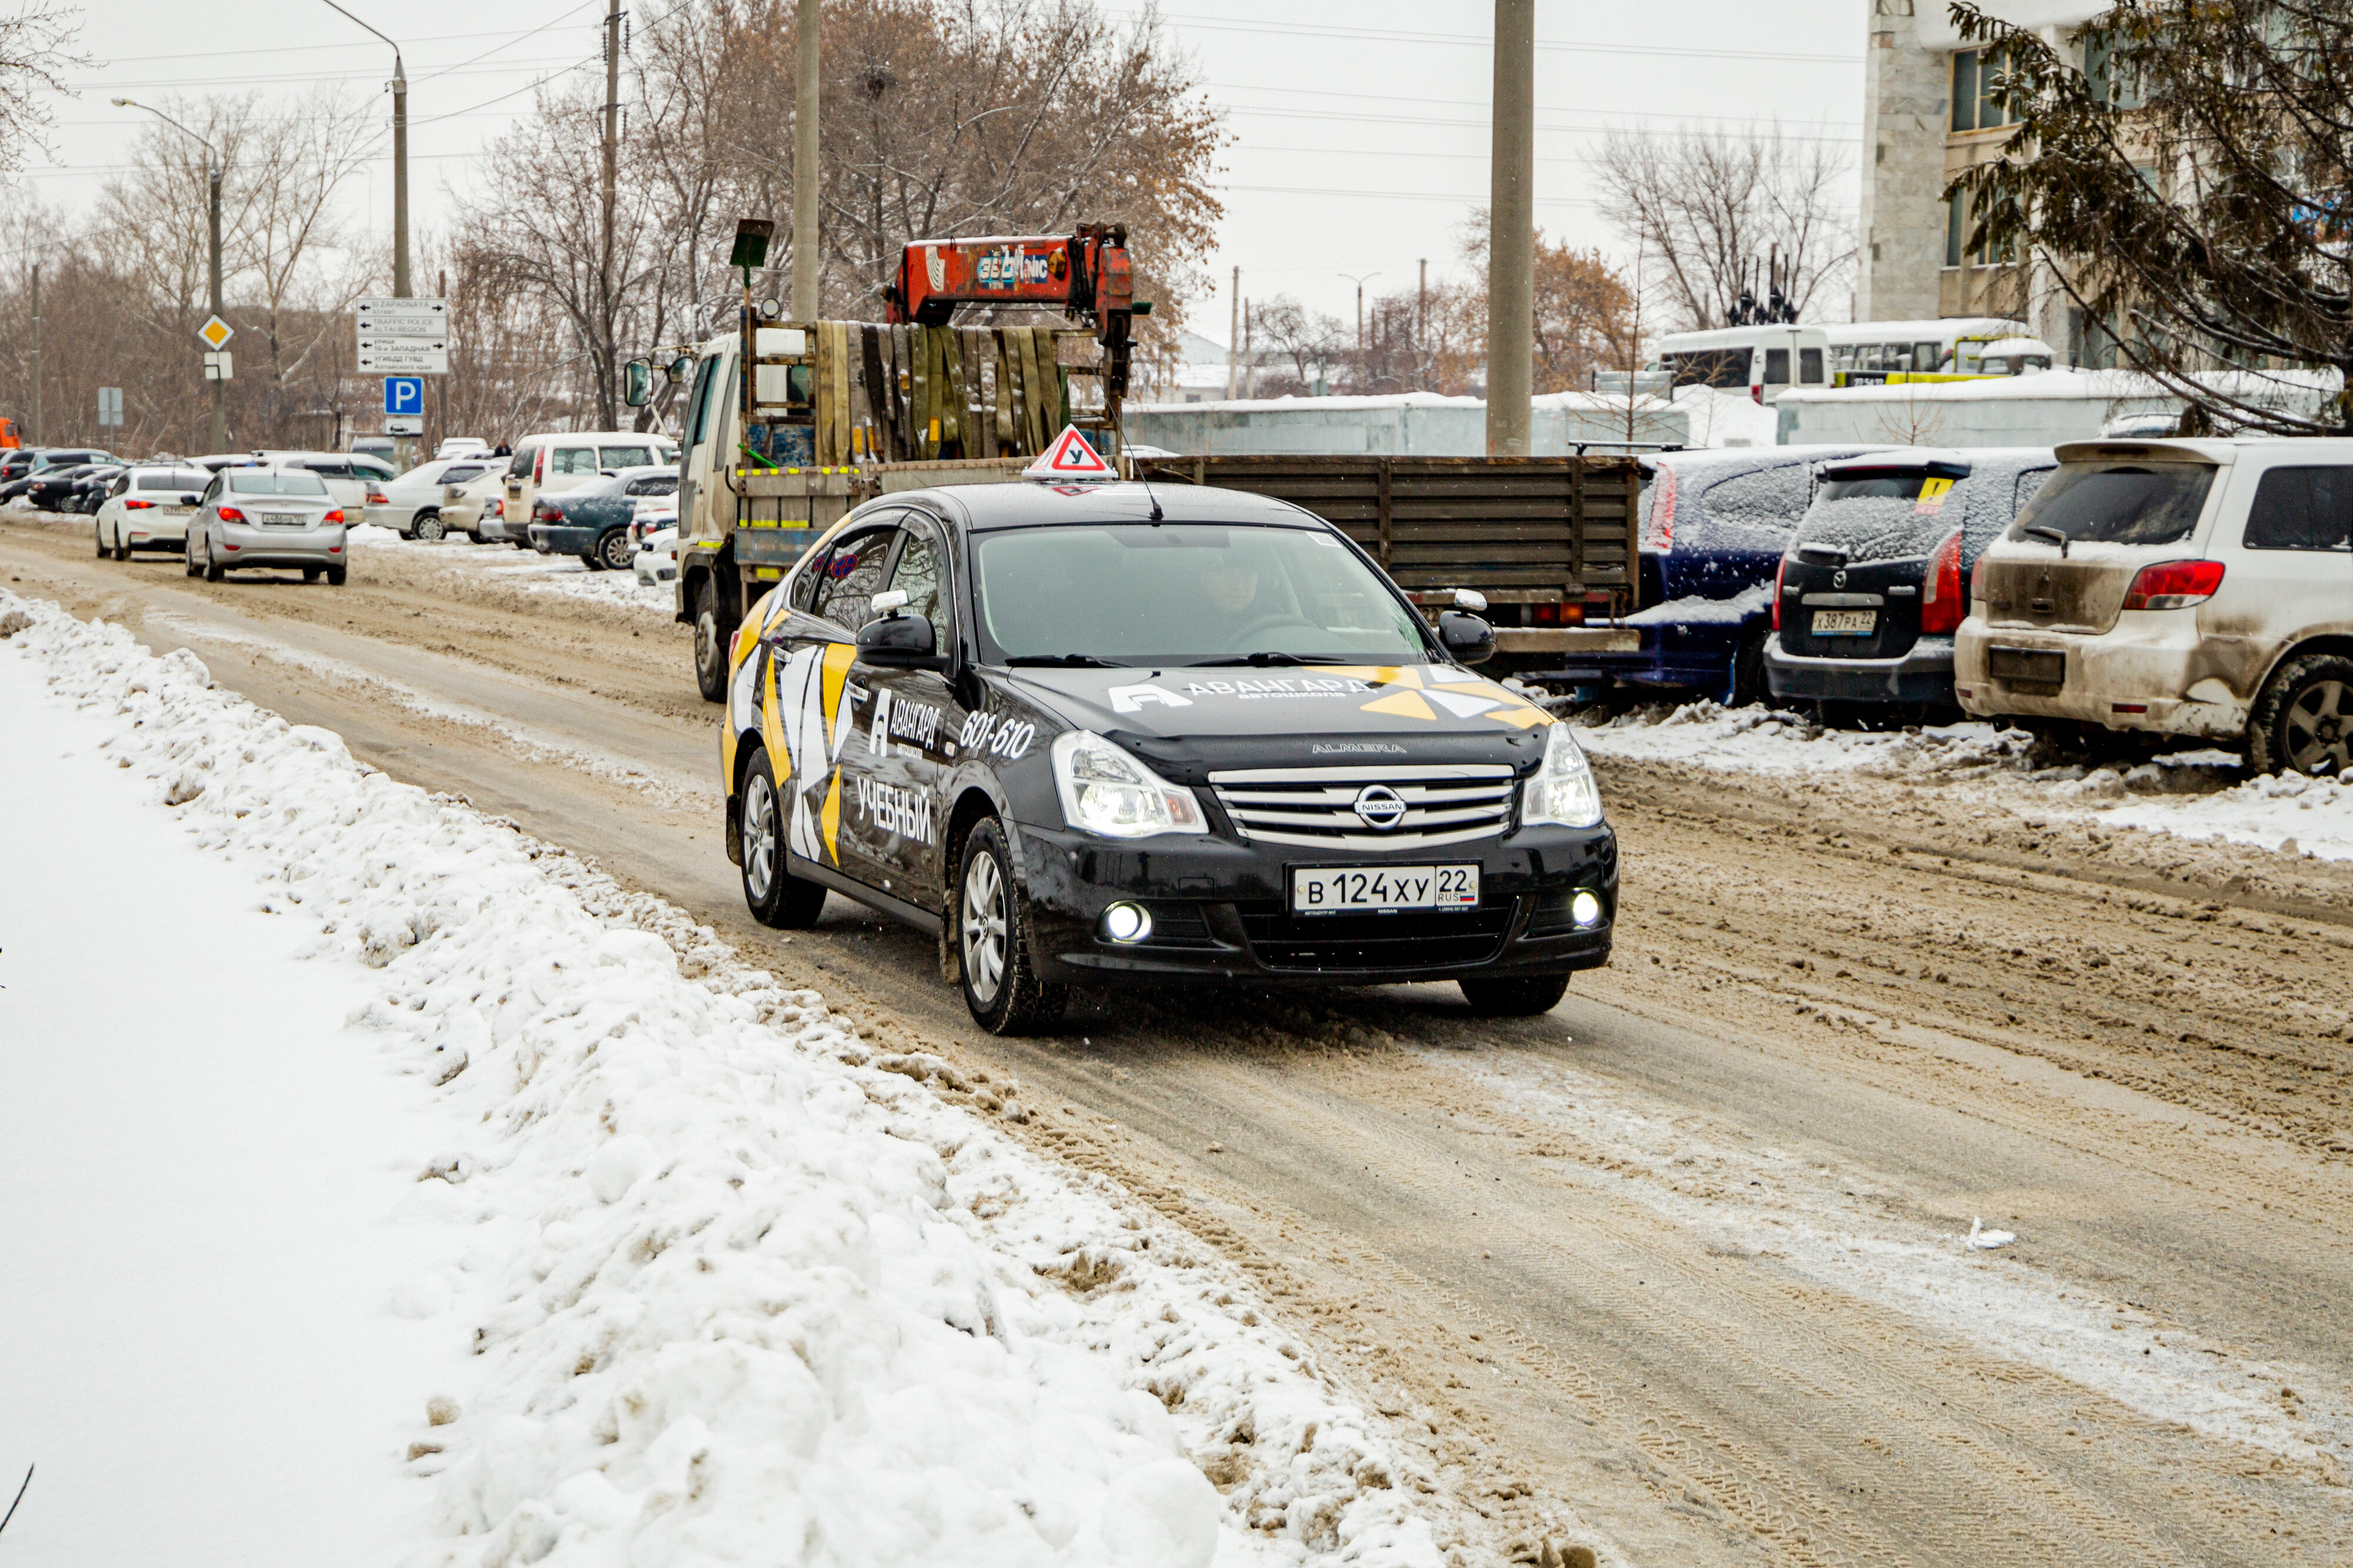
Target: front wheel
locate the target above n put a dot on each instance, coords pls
(775, 896)
(710, 643)
(427, 527)
(2304, 720)
(1525, 998)
(996, 942)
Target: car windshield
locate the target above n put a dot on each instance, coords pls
(1181, 594)
(285, 483)
(2117, 503)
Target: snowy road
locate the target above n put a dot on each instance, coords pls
(1686, 1257)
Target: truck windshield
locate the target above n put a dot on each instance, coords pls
(1185, 594)
(2119, 503)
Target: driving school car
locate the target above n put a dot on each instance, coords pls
(1096, 736)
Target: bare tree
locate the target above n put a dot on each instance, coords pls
(1710, 206)
(1312, 342)
(34, 56)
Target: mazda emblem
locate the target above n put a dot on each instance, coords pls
(1380, 806)
(1838, 578)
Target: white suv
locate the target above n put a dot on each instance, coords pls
(2192, 587)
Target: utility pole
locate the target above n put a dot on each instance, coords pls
(1511, 232)
(37, 355)
(1249, 355)
(805, 174)
(1421, 324)
(1234, 340)
(1361, 378)
(609, 418)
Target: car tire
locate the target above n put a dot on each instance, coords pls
(774, 895)
(612, 551)
(97, 532)
(710, 644)
(990, 921)
(1516, 998)
(122, 549)
(427, 526)
(188, 558)
(214, 569)
(335, 576)
(311, 574)
(1748, 669)
(2304, 720)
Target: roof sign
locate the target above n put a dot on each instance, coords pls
(1070, 458)
(217, 332)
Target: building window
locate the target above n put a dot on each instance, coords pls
(1957, 227)
(1976, 106)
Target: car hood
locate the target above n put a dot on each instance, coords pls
(1314, 715)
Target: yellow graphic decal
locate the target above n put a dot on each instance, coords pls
(832, 819)
(838, 657)
(1523, 718)
(780, 756)
(1932, 497)
(1403, 704)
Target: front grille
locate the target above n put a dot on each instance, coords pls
(1446, 803)
(1178, 925)
(1409, 939)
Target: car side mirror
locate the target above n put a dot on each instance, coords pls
(898, 640)
(638, 383)
(1467, 638)
(190, 498)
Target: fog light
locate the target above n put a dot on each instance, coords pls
(1585, 909)
(1127, 922)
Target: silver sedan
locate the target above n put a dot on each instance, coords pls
(284, 518)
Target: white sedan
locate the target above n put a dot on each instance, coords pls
(411, 505)
(147, 507)
(657, 559)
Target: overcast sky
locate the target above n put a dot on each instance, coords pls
(1359, 126)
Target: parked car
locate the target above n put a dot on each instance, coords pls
(411, 504)
(383, 449)
(90, 489)
(656, 561)
(1109, 735)
(1870, 594)
(46, 464)
(256, 516)
(52, 488)
(147, 507)
(592, 520)
(462, 446)
(474, 503)
(2200, 588)
(557, 462)
(1714, 524)
(350, 476)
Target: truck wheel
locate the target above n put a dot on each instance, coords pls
(775, 896)
(710, 643)
(1748, 669)
(2304, 720)
(994, 941)
(426, 527)
(1514, 998)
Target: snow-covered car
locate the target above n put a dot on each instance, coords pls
(258, 516)
(656, 561)
(592, 521)
(1867, 599)
(2189, 587)
(148, 508)
(411, 505)
(475, 505)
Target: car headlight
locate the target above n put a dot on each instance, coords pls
(1106, 791)
(1563, 790)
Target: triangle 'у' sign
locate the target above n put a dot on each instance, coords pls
(1070, 458)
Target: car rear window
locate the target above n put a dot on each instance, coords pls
(2130, 502)
(163, 479)
(249, 483)
(654, 485)
(2302, 509)
(1883, 514)
(459, 475)
(628, 457)
(520, 467)
(572, 460)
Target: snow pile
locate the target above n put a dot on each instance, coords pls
(1772, 740)
(2288, 813)
(741, 1288)
(1693, 610)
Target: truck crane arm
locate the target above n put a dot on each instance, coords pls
(1086, 275)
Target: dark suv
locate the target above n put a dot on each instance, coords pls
(1875, 580)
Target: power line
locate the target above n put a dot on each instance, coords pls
(1471, 199)
(298, 48)
(100, 83)
(1418, 121)
(509, 44)
(1290, 92)
(1392, 35)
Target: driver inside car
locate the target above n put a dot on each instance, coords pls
(1233, 587)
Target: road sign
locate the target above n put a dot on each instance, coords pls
(404, 318)
(401, 359)
(403, 337)
(403, 425)
(215, 332)
(404, 394)
(219, 367)
(110, 406)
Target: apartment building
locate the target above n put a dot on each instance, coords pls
(1927, 117)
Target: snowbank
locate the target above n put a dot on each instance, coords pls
(740, 1288)
(1770, 740)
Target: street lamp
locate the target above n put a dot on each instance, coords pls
(213, 183)
(399, 193)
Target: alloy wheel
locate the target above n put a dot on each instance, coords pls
(984, 927)
(2319, 730)
(759, 837)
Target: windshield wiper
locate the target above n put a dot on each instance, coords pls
(2053, 534)
(1263, 659)
(1066, 661)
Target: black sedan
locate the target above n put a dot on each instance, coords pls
(51, 489)
(592, 521)
(1876, 579)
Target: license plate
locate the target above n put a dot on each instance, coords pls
(1845, 623)
(2030, 665)
(281, 519)
(1381, 889)
(177, 511)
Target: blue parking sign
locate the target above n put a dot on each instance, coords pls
(404, 394)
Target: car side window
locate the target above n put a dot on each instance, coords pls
(919, 574)
(1755, 511)
(521, 467)
(213, 490)
(572, 460)
(2302, 509)
(1777, 367)
(853, 576)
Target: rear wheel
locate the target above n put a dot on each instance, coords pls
(214, 572)
(122, 549)
(1748, 669)
(774, 895)
(1514, 998)
(612, 551)
(99, 534)
(710, 643)
(2304, 720)
(427, 527)
(310, 573)
(188, 557)
(335, 576)
(996, 942)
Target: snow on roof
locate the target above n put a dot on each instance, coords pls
(2060, 383)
